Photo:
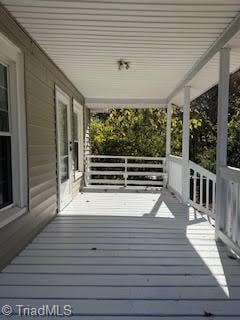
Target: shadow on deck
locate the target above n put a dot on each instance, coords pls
(127, 255)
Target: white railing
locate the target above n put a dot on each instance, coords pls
(202, 189)
(174, 169)
(123, 171)
(230, 205)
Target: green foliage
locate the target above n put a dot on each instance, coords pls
(204, 137)
(129, 132)
(234, 122)
(176, 131)
(203, 132)
(142, 132)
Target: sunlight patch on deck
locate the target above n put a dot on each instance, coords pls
(216, 261)
(115, 255)
(130, 203)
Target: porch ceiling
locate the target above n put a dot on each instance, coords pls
(162, 39)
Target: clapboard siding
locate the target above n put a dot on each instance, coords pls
(41, 169)
(38, 88)
(41, 75)
(39, 105)
(41, 136)
(34, 182)
(42, 158)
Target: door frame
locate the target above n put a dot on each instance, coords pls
(78, 108)
(61, 95)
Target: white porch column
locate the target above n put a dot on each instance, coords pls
(86, 141)
(168, 139)
(222, 133)
(168, 130)
(185, 145)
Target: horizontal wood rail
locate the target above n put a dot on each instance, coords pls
(230, 173)
(124, 171)
(143, 172)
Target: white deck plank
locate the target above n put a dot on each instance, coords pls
(124, 253)
(137, 247)
(120, 293)
(139, 317)
(119, 281)
(88, 269)
(140, 241)
(160, 262)
(118, 261)
(110, 307)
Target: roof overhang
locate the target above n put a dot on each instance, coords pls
(224, 40)
(170, 44)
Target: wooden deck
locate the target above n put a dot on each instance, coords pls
(127, 255)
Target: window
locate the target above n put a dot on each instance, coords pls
(5, 141)
(63, 136)
(77, 139)
(13, 166)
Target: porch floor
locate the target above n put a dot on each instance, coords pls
(127, 255)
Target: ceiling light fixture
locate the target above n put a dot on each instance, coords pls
(122, 64)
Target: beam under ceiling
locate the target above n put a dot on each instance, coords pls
(222, 41)
(105, 104)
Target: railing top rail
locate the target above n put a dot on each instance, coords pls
(202, 170)
(125, 157)
(230, 173)
(176, 159)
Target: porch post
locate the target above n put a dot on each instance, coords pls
(168, 130)
(87, 151)
(222, 134)
(168, 140)
(185, 145)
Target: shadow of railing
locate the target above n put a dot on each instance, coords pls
(124, 246)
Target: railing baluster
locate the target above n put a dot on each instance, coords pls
(115, 171)
(201, 190)
(213, 196)
(87, 169)
(202, 203)
(194, 186)
(207, 193)
(125, 172)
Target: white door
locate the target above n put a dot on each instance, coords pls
(64, 146)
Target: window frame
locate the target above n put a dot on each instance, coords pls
(12, 57)
(78, 109)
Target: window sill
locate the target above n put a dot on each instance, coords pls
(9, 215)
(78, 175)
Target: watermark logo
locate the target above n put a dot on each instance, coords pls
(37, 311)
(7, 310)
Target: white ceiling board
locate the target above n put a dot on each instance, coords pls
(208, 76)
(162, 39)
(189, 5)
